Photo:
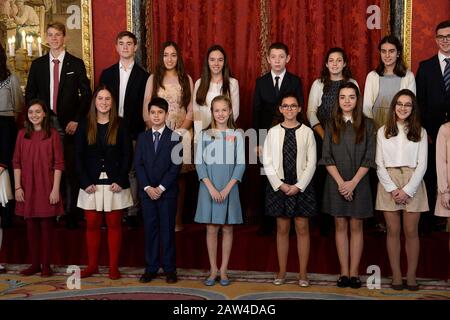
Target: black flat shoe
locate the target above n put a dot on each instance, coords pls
(343, 282)
(413, 287)
(147, 277)
(398, 287)
(355, 283)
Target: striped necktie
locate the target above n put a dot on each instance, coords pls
(447, 75)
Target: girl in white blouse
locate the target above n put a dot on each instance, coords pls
(401, 159)
(216, 80)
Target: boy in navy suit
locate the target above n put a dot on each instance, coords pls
(433, 95)
(158, 162)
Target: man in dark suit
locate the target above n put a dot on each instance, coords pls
(59, 79)
(127, 81)
(158, 164)
(433, 95)
(269, 88)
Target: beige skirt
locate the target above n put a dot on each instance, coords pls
(103, 199)
(401, 176)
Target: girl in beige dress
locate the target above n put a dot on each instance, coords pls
(171, 82)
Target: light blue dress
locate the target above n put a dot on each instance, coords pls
(219, 157)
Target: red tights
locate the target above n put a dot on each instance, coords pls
(40, 234)
(114, 223)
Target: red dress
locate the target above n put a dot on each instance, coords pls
(38, 158)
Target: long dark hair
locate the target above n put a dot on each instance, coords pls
(400, 66)
(337, 121)
(325, 73)
(29, 128)
(206, 76)
(113, 124)
(412, 124)
(183, 78)
(4, 71)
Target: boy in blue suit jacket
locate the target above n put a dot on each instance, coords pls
(158, 162)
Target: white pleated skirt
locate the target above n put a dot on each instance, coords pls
(103, 199)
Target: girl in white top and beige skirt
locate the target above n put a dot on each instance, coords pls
(401, 159)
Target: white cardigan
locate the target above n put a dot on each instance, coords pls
(273, 156)
(315, 100)
(372, 88)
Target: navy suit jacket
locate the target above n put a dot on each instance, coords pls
(74, 93)
(134, 95)
(265, 100)
(154, 169)
(434, 102)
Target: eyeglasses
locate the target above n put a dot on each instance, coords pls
(289, 106)
(442, 38)
(406, 105)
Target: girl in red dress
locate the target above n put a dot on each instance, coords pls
(38, 163)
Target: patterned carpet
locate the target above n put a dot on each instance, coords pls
(244, 286)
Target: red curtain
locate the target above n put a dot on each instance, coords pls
(425, 17)
(310, 28)
(196, 25)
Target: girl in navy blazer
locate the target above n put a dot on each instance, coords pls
(103, 160)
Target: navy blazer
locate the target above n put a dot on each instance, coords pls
(134, 95)
(265, 100)
(433, 101)
(74, 93)
(154, 169)
(90, 160)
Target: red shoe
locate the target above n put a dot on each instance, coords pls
(86, 273)
(114, 274)
(46, 272)
(33, 269)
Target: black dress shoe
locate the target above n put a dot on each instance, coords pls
(171, 277)
(147, 277)
(355, 283)
(343, 282)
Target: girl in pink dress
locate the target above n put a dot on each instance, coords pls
(38, 163)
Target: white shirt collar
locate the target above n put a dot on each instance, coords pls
(347, 118)
(122, 67)
(159, 130)
(281, 75)
(442, 57)
(60, 57)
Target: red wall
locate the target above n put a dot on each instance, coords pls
(426, 15)
(109, 17)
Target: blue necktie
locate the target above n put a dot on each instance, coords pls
(156, 141)
(447, 75)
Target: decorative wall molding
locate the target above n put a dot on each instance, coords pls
(407, 31)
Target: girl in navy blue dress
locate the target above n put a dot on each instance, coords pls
(220, 164)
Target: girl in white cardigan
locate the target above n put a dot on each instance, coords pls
(401, 159)
(289, 159)
(390, 76)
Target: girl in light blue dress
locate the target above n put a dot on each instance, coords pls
(220, 164)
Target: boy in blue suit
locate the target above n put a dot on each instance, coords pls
(158, 162)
